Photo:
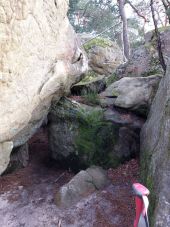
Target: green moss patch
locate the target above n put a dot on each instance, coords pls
(148, 181)
(102, 42)
(111, 79)
(95, 140)
(90, 76)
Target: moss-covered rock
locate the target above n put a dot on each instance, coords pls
(81, 136)
(104, 55)
(99, 41)
(91, 83)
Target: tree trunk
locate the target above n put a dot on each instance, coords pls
(167, 7)
(159, 44)
(126, 45)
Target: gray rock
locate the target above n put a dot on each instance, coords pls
(83, 184)
(94, 85)
(5, 151)
(143, 62)
(155, 155)
(133, 93)
(63, 127)
(75, 139)
(99, 176)
(19, 158)
(164, 34)
(104, 60)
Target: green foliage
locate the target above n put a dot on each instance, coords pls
(95, 139)
(89, 76)
(92, 15)
(111, 79)
(152, 199)
(92, 98)
(102, 42)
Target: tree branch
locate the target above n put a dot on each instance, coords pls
(159, 43)
(137, 11)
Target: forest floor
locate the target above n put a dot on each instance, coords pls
(27, 195)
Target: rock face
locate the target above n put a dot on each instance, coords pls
(133, 93)
(84, 183)
(95, 85)
(164, 33)
(39, 58)
(88, 135)
(19, 158)
(155, 153)
(5, 150)
(104, 60)
(143, 62)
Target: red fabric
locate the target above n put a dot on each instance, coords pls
(139, 209)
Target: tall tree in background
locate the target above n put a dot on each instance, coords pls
(157, 33)
(126, 45)
(104, 17)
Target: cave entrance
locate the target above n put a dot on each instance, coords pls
(34, 157)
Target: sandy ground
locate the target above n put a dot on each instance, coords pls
(27, 195)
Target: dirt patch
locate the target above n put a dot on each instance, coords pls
(27, 195)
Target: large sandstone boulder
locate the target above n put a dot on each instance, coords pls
(134, 93)
(39, 57)
(104, 55)
(84, 183)
(155, 154)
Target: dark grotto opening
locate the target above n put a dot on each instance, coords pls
(38, 168)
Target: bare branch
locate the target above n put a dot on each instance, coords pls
(137, 11)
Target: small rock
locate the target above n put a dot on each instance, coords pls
(20, 187)
(84, 183)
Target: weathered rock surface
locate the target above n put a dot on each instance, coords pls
(5, 151)
(133, 93)
(143, 62)
(66, 120)
(164, 34)
(94, 85)
(90, 135)
(38, 58)
(104, 60)
(19, 158)
(155, 152)
(84, 183)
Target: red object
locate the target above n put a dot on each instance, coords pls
(140, 192)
